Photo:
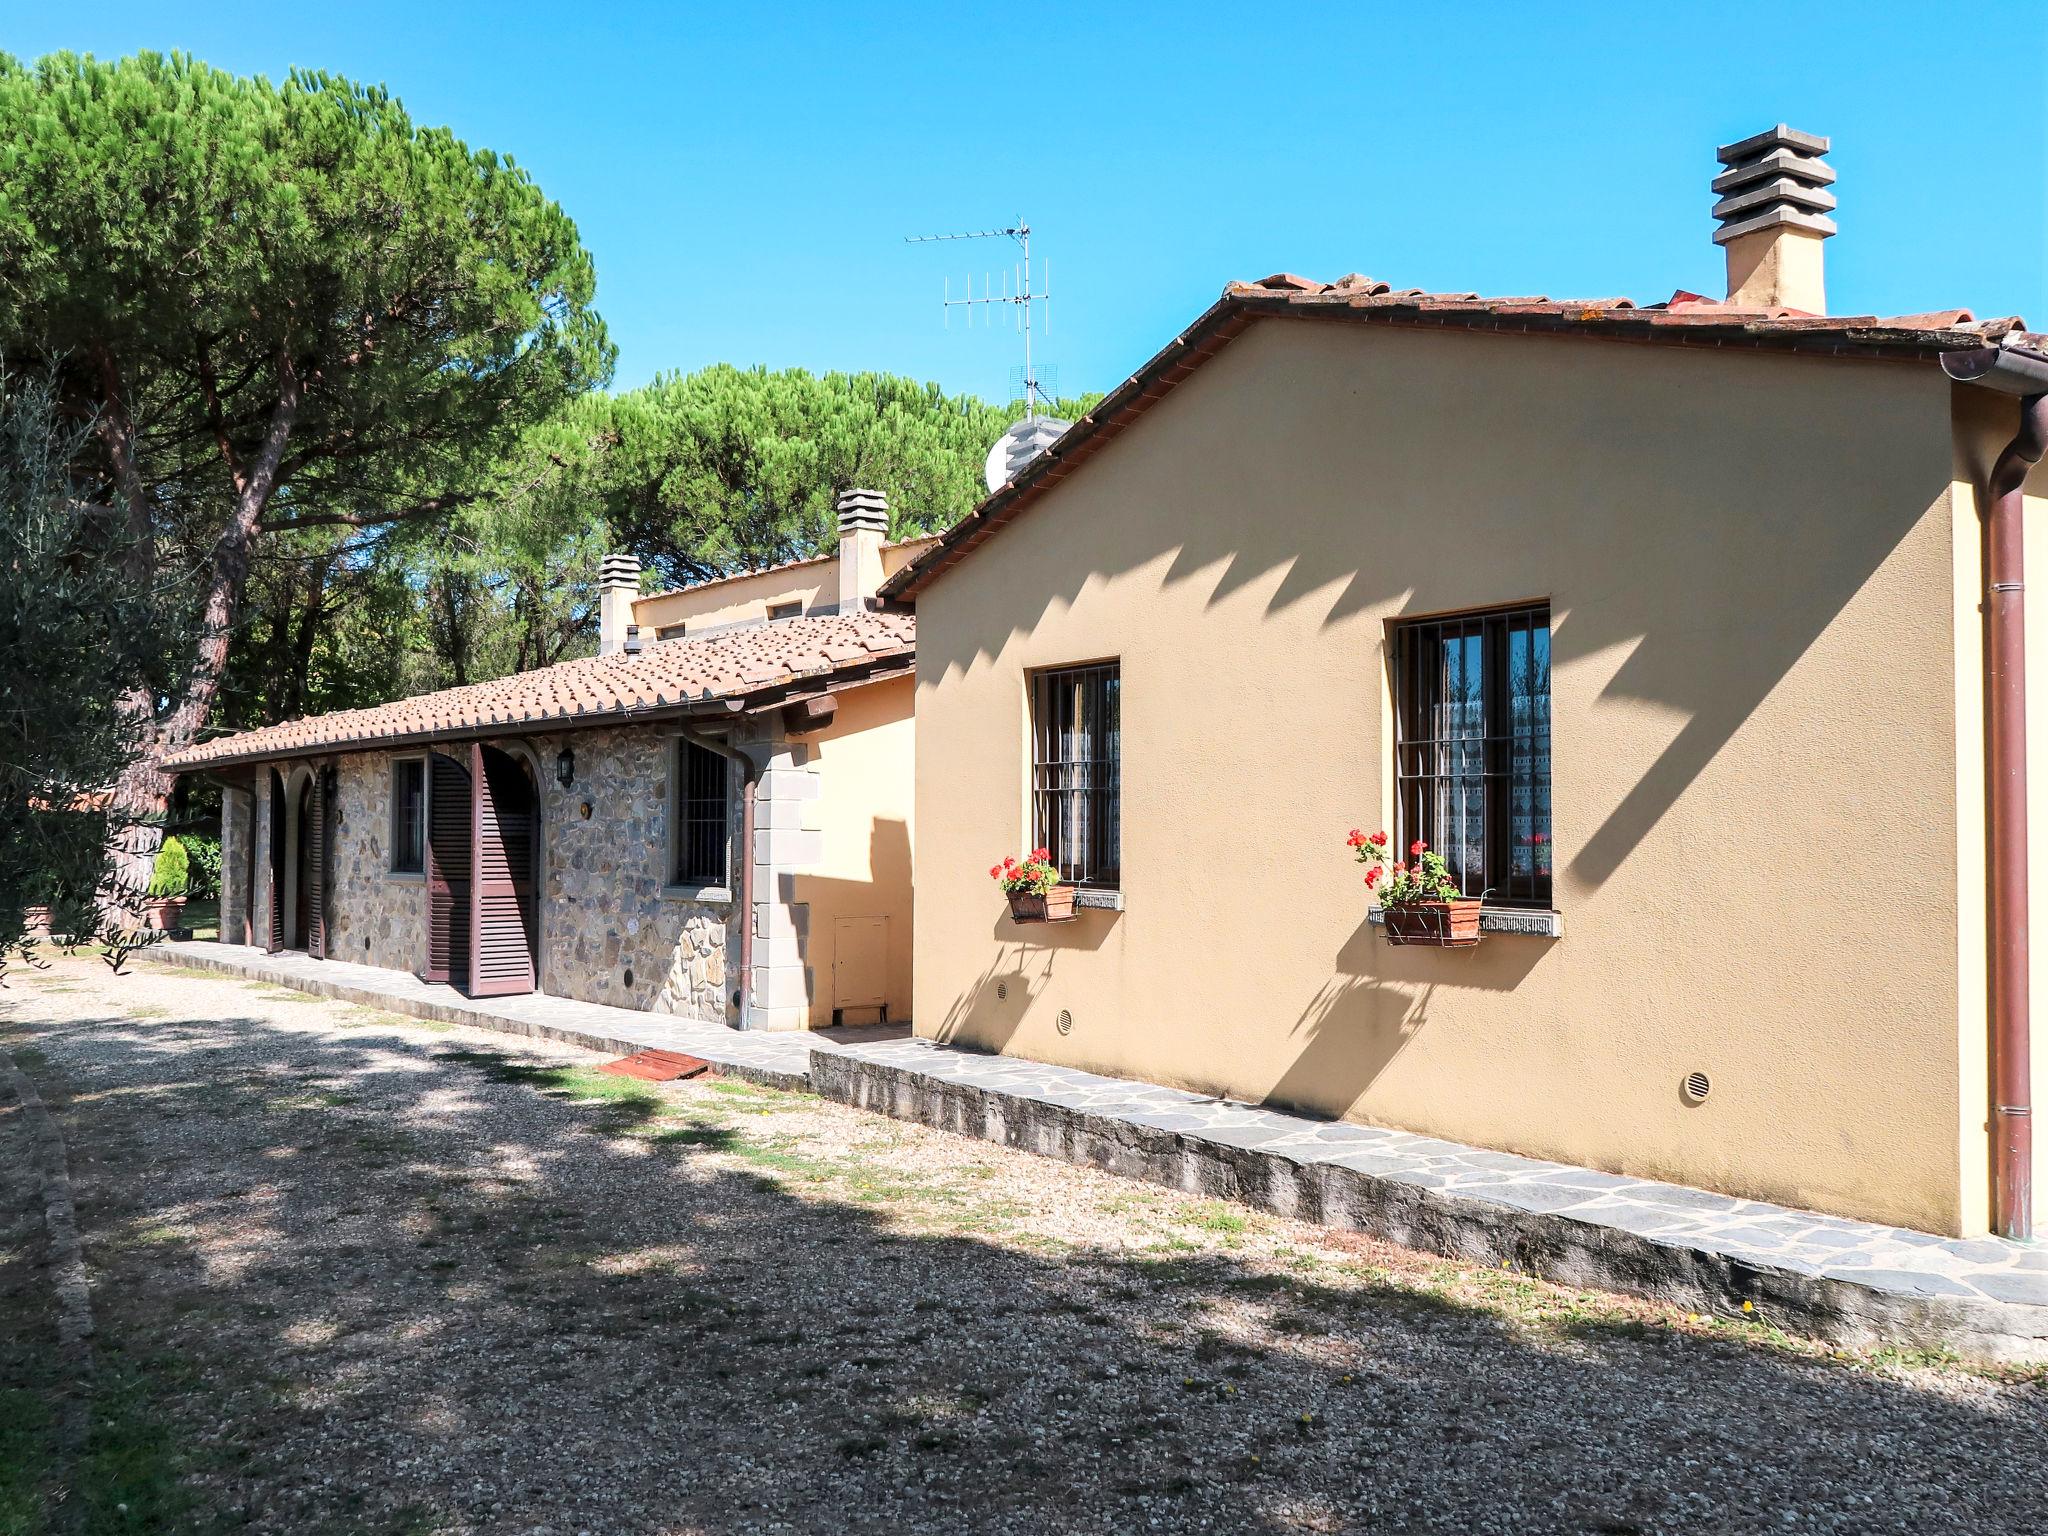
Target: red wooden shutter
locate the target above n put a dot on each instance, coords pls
(273, 872)
(314, 835)
(501, 899)
(448, 865)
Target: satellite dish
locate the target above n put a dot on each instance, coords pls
(1018, 447)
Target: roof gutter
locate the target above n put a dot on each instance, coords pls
(2012, 371)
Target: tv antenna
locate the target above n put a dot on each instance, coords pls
(1012, 288)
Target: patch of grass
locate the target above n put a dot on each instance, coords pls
(1216, 1216)
(130, 1476)
(27, 1435)
(782, 1162)
(714, 1137)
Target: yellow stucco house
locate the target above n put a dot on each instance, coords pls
(1690, 632)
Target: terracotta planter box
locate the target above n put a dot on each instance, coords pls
(35, 922)
(1445, 924)
(1055, 906)
(160, 913)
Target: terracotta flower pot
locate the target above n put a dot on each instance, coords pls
(1055, 906)
(160, 913)
(1445, 924)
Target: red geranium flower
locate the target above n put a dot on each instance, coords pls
(1416, 847)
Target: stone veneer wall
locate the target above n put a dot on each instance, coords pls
(374, 917)
(604, 912)
(236, 828)
(259, 861)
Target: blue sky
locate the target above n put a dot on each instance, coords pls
(745, 175)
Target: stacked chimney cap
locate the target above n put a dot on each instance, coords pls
(620, 571)
(860, 509)
(1774, 178)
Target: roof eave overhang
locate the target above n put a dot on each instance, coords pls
(1233, 313)
(721, 707)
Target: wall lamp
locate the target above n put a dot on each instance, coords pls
(565, 767)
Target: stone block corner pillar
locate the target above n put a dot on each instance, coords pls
(786, 842)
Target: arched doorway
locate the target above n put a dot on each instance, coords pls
(275, 880)
(300, 853)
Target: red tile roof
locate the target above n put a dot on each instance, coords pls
(1686, 319)
(669, 678)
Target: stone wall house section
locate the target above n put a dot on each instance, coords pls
(375, 916)
(237, 824)
(608, 912)
(260, 859)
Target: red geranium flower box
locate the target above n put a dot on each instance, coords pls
(1034, 888)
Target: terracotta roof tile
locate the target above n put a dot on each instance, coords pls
(1685, 319)
(669, 674)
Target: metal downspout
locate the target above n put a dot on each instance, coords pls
(743, 896)
(2012, 1133)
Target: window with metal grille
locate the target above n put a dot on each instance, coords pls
(408, 816)
(700, 816)
(1076, 772)
(1472, 748)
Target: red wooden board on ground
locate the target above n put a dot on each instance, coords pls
(658, 1066)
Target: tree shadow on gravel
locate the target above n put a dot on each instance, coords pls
(458, 1293)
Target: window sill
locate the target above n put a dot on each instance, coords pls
(1517, 922)
(710, 895)
(1087, 898)
(407, 876)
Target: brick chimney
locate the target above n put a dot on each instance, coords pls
(863, 525)
(617, 586)
(1774, 214)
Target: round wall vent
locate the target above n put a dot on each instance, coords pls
(1696, 1087)
(1064, 1023)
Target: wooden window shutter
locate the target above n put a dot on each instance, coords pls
(314, 835)
(273, 872)
(502, 893)
(448, 866)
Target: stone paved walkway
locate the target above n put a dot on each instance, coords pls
(1851, 1280)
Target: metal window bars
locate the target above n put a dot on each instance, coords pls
(1472, 749)
(409, 816)
(701, 815)
(1076, 772)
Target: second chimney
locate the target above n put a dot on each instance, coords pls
(863, 525)
(1774, 214)
(617, 586)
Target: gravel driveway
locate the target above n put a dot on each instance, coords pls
(354, 1273)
